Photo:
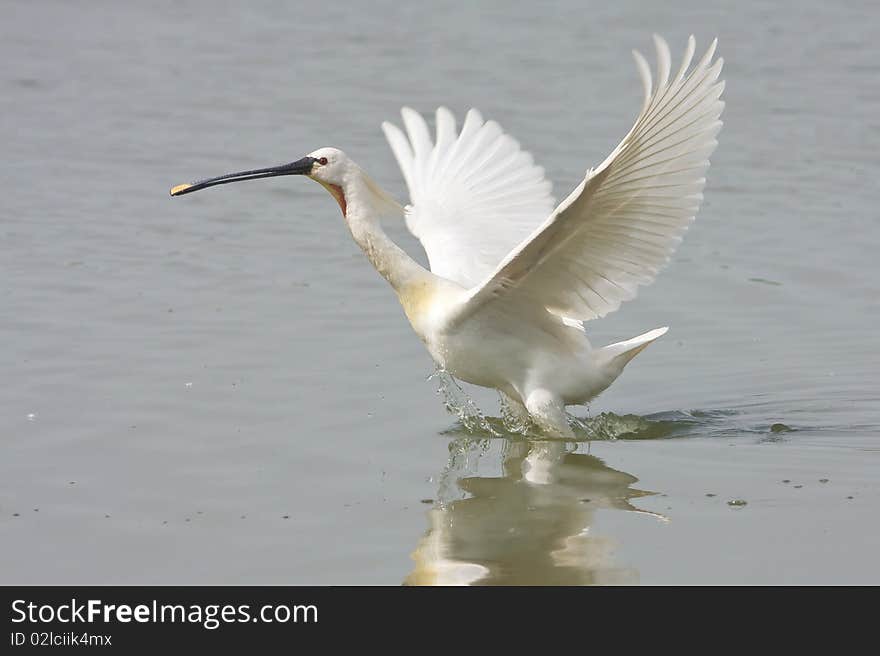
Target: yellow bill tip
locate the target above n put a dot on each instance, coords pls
(179, 189)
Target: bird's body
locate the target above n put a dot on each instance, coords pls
(508, 290)
(540, 361)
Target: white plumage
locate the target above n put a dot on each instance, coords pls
(475, 195)
(614, 231)
(512, 280)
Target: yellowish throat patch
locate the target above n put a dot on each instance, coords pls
(416, 300)
(336, 192)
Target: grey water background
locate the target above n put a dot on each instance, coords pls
(219, 389)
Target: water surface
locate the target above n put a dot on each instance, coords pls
(219, 389)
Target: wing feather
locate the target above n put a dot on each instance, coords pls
(474, 195)
(616, 230)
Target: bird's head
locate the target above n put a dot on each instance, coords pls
(327, 166)
(329, 170)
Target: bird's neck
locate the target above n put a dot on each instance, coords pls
(363, 203)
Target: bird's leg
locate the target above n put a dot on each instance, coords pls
(548, 412)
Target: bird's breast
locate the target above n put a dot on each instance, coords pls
(416, 300)
(428, 304)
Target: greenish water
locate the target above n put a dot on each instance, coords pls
(219, 389)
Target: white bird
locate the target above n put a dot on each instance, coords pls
(512, 280)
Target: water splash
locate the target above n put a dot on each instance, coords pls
(458, 403)
(610, 426)
(512, 419)
(580, 424)
(464, 459)
(606, 426)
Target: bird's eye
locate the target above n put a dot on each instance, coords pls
(322, 161)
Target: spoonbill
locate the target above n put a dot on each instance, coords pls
(512, 280)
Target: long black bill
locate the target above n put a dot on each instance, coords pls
(299, 167)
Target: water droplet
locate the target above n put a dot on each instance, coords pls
(798, 487)
(31, 416)
(709, 494)
(786, 480)
(285, 517)
(737, 503)
(458, 403)
(16, 515)
(823, 480)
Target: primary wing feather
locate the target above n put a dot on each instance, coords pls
(623, 222)
(474, 195)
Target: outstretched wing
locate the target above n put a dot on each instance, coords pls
(622, 223)
(474, 195)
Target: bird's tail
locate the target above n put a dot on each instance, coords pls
(617, 355)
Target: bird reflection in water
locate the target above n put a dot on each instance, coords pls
(533, 525)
